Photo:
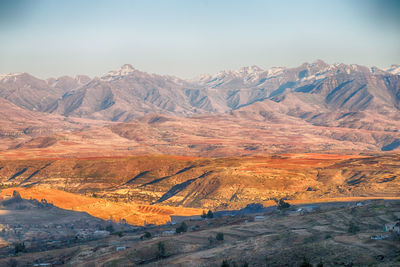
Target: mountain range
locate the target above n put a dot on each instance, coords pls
(318, 132)
(127, 93)
(326, 99)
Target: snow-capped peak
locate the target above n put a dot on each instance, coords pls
(249, 70)
(394, 69)
(123, 71)
(6, 77)
(127, 67)
(275, 71)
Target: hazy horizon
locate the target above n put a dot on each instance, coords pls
(51, 39)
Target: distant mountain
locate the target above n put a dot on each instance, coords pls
(67, 83)
(126, 93)
(27, 91)
(34, 94)
(326, 87)
(394, 69)
(332, 97)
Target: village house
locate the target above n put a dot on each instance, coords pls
(168, 233)
(379, 237)
(259, 218)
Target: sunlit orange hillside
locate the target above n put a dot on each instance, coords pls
(101, 208)
(201, 183)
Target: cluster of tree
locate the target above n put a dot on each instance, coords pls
(282, 204)
(208, 215)
(16, 194)
(307, 263)
(146, 235)
(161, 253)
(182, 228)
(19, 247)
(353, 228)
(218, 237)
(110, 228)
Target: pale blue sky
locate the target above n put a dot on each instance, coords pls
(187, 38)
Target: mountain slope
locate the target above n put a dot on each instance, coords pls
(125, 94)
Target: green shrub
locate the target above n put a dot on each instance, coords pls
(225, 263)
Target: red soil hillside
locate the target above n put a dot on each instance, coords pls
(215, 183)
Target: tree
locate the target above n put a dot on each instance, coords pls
(353, 228)
(219, 236)
(225, 263)
(16, 194)
(145, 235)
(306, 263)
(182, 228)
(19, 247)
(110, 228)
(12, 263)
(282, 204)
(204, 215)
(161, 250)
(210, 214)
